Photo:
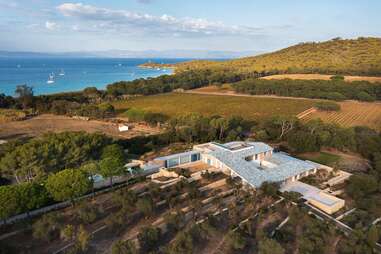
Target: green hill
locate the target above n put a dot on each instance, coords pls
(360, 56)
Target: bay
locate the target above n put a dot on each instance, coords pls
(79, 73)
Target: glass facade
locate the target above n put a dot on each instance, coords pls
(195, 157)
(172, 162)
(182, 159)
(185, 159)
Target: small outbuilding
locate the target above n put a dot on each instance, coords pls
(123, 128)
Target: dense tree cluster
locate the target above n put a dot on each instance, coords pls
(196, 128)
(7, 101)
(65, 185)
(21, 198)
(88, 103)
(167, 83)
(51, 153)
(322, 89)
(365, 188)
(56, 167)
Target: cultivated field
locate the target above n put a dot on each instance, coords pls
(39, 125)
(322, 77)
(252, 108)
(352, 113)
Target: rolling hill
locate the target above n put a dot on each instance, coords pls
(360, 56)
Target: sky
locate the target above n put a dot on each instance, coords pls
(228, 25)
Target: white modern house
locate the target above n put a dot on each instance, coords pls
(255, 163)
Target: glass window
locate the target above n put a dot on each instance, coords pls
(172, 162)
(184, 159)
(195, 157)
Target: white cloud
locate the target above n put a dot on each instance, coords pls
(126, 21)
(51, 25)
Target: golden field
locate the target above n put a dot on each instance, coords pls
(352, 113)
(175, 104)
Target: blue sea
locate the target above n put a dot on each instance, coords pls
(79, 73)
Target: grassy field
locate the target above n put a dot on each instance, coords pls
(324, 158)
(352, 114)
(176, 104)
(322, 77)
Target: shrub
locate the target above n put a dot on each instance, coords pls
(127, 247)
(236, 240)
(336, 96)
(145, 205)
(149, 238)
(87, 212)
(83, 239)
(269, 189)
(116, 221)
(135, 114)
(270, 246)
(364, 96)
(183, 243)
(155, 118)
(327, 106)
(68, 232)
(337, 77)
(47, 228)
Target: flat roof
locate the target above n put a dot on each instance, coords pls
(176, 155)
(310, 193)
(276, 168)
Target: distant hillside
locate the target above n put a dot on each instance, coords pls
(186, 54)
(361, 56)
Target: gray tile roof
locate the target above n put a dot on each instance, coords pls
(277, 168)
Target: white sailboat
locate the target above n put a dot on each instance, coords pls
(62, 73)
(50, 79)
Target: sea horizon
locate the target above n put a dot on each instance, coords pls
(73, 74)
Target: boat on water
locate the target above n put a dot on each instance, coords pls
(50, 79)
(62, 73)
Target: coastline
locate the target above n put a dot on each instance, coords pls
(79, 73)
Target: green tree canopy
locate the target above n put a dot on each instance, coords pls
(270, 246)
(113, 161)
(149, 238)
(68, 184)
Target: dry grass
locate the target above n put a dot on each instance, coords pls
(8, 115)
(322, 77)
(176, 104)
(352, 113)
(39, 125)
